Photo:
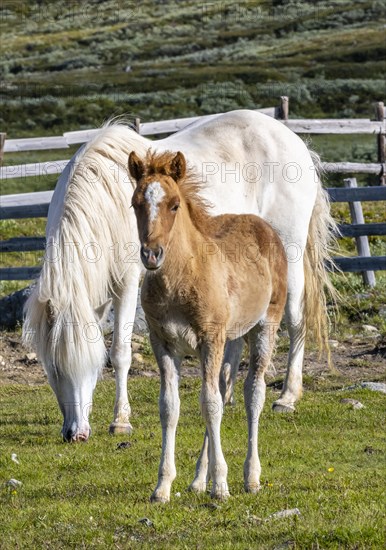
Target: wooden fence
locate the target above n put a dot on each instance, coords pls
(32, 205)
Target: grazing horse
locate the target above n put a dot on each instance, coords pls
(249, 164)
(196, 294)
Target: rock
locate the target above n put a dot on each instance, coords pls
(333, 343)
(137, 357)
(30, 357)
(11, 312)
(284, 514)
(374, 386)
(362, 295)
(369, 450)
(382, 312)
(14, 458)
(15, 483)
(138, 338)
(135, 347)
(146, 521)
(353, 403)
(369, 328)
(123, 445)
(211, 506)
(11, 308)
(140, 325)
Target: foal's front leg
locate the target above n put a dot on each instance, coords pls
(212, 408)
(169, 407)
(228, 375)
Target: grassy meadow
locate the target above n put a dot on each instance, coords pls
(327, 460)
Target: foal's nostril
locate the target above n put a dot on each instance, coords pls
(160, 253)
(151, 257)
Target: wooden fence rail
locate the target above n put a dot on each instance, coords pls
(299, 126)
(30, 205)
(42, 169)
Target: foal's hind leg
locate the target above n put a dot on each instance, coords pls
(261, 344)
(229, 369)
(292, 389)
(120, 355)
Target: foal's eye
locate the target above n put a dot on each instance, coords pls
(175, 208)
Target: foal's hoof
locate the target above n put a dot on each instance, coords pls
(197, 487)
(220, 491)
(120, 428)
(281, 408)
(220, 495)
(159, 499)
(252, 488)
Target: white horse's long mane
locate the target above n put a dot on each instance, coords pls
(83, 264)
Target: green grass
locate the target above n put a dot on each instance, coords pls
(93, 496)
(64, 65)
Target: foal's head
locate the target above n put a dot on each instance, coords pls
(156, 201)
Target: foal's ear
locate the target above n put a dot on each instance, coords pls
(136, 167)
(177, 167)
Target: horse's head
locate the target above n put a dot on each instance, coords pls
(69, 345)
(156, 201)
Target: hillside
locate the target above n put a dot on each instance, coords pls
(71, 65)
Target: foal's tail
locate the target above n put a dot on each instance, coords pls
(317, 254)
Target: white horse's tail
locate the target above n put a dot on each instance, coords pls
(320, 240)
(85, 256)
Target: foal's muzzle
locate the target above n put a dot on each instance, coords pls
(152, 258)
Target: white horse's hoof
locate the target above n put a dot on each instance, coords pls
(120, 428)
(282, 408)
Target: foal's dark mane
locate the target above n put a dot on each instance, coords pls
(190, 185)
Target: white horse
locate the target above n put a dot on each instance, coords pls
(249, 163)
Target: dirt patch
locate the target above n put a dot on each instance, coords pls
(361, 359)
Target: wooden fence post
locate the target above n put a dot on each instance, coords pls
(361, 242)
(137, 124)
(3, 135)
(381, 140)
(281, 111)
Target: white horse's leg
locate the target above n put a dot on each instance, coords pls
(261, 344)
(212, 409)
(169, 407)
(292, 389)
(120, 355)
(229, 369)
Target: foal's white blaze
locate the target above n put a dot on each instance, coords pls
(154, 195)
